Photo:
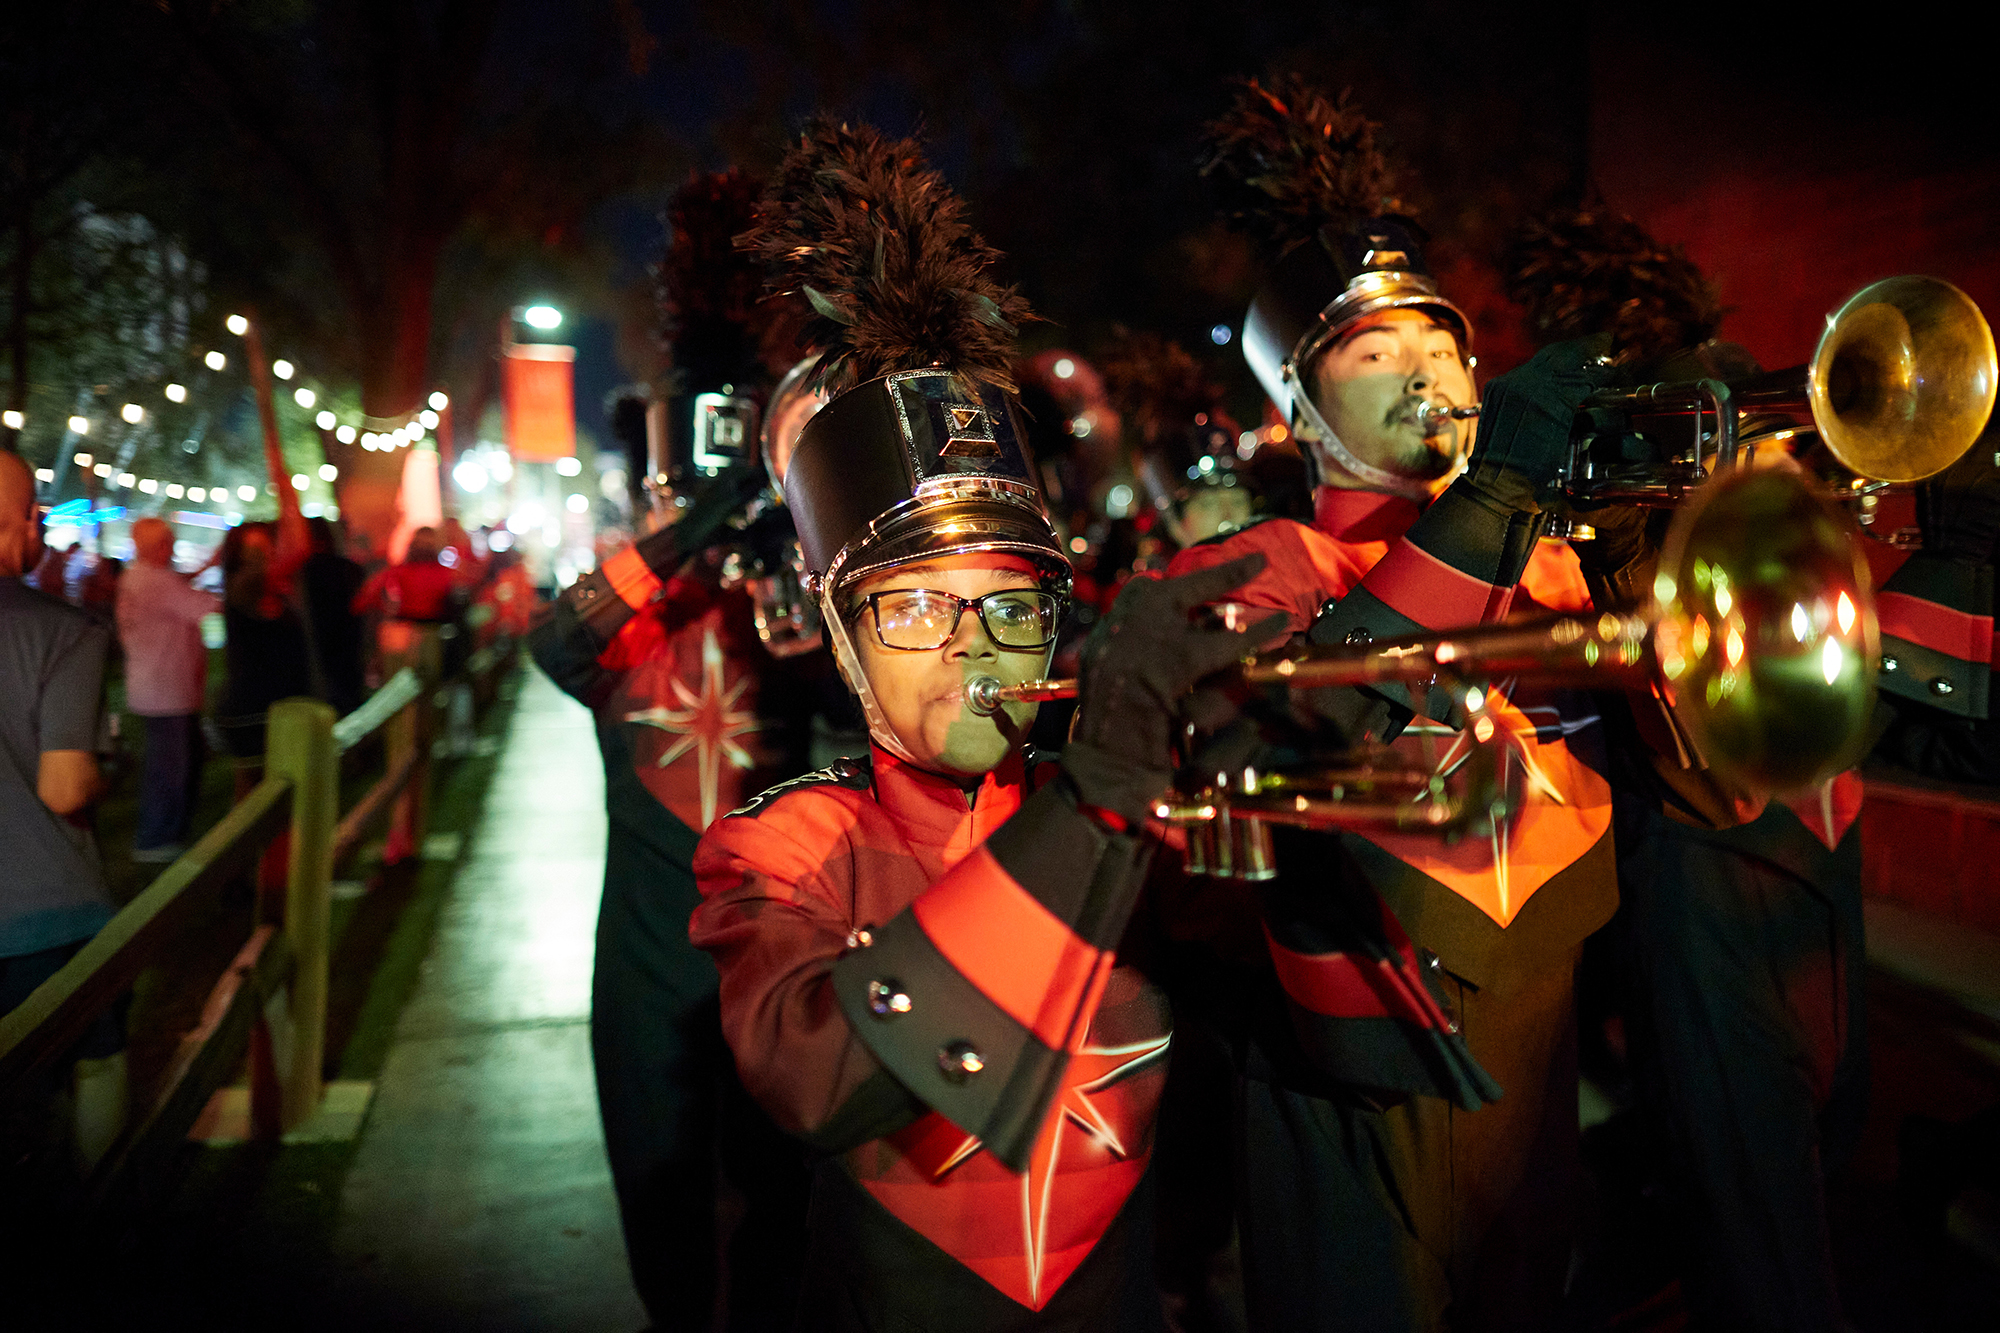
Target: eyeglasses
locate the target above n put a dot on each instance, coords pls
(921, 619)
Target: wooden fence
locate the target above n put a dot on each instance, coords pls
(272, 999)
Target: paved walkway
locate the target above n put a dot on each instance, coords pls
(479, 1196)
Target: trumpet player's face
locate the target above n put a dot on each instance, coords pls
(922, 691)
(1368, 385)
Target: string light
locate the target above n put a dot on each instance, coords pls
(238, 325)
(175, 490)
(282, 368)
(438, 401)
(149, 486)
(133, 413)
(246, 493)
(304, 397)
(177, 393)
(325, 420)
(346, 434)
(428, 418)
(83, 460)
(79, 425)
(14, 420)
(300, 481)
(327, 472)
(215, 361)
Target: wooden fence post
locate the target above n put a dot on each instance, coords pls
(415, 728)
(301, 750)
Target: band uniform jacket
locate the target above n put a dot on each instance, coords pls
(1488, 910)
(880, 872)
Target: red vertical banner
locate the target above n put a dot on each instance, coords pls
(540, 395)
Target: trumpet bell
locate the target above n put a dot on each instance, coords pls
(1766, 631)
(1903, 379)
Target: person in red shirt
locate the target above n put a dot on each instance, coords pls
(417, 588)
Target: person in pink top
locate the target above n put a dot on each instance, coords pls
(166, 684)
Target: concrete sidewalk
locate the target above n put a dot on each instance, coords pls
(479, 1197)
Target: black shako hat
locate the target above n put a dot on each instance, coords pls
(1302, 174)
(921, 450)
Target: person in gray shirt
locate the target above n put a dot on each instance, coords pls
(52, 896)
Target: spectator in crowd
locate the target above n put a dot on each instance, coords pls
(420, 588)
(52, 896)
(339, 639)
(511, 594)
(266, 658)
(166, 685)
(52, 574)
(98, 593)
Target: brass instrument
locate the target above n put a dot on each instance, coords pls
(1762, 636)
(1900, 385)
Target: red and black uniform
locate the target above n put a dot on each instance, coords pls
(917, 979)
(1739, 950)
(1408, 1132)
(692, 716)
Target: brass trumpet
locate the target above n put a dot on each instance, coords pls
(1900, 385)
(1762, 636)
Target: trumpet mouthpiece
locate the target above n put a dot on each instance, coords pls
(982, 695)
(1433, 418)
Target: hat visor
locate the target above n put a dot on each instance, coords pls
(955, 526)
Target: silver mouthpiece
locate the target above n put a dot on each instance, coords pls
(1433, 417)
(982, 695)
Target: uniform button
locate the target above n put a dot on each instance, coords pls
(959, 1060)
(887, 998)
(859, 938)
(1358, 635)
(1940, 686)
(1890, 664)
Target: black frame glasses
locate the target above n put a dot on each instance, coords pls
(1051, 606)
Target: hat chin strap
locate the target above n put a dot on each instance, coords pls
(844, 653)
(1381, 479)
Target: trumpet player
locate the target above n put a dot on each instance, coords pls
(693, 716)
(1408, 1103)
(1737, 960)
(934, 967)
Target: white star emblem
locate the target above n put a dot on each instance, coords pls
(1091, 1069)
(707, 724)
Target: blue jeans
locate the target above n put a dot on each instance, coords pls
(171, 781)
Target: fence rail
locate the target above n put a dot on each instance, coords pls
(271, 1001)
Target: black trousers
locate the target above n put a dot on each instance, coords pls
(1421, 1216)
(170, 782)
(1744, 1022)
(673, 1108)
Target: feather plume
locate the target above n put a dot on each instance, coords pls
(1589, 269)
(714, 321)
(1157, 387)
(878, 244)
(1287, 161)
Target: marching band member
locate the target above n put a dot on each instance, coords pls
(927, 972)
(693, 716)
(1181, 441)
(1385, 1180)
(1738, 947)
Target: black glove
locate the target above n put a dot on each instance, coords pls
(1618, 563)
(1138, 664)
(1958, 510)
(704, 523)
(1525, 418)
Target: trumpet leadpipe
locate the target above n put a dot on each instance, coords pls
(984, 695)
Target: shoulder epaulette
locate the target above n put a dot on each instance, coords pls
(855, 774)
